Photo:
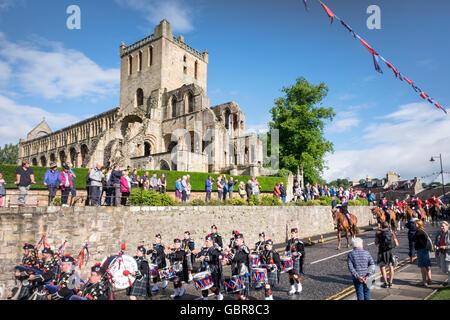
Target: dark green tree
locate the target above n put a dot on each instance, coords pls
(9, 154)
(301, 123)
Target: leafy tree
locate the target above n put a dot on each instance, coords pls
(9, 154)
(344, 183)
(301, 123)
(362, 181)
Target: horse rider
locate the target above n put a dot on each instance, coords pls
(343, 208)
(384, 204)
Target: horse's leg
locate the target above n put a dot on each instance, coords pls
(346, 236)
(339, 239)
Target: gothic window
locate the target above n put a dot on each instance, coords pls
(196, 70)
(140, 61)
(190, 103)
(147, 149)
(184, 58)
(130, 65)
(140, 97)
(185, 70)
(150, 56)
(174, 107)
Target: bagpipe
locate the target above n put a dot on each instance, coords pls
(82, 256)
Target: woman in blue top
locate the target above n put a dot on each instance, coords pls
(410, 225)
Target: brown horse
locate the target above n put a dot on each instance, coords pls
(379, 215)
(342, 225)
(409, 213)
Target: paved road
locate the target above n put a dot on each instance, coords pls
(327, 275)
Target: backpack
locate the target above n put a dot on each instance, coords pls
(386, 241)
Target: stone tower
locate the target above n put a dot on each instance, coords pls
(157, 64)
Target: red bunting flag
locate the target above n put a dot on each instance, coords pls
(367, 46)
(440, 107)
(392, 67)
(423, 95)
(407, 80)
(328, 11)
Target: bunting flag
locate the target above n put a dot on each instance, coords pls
(375, 62)
(328, 11)
(376, 56)
(84, 254)
(348, 28)
(369, 48)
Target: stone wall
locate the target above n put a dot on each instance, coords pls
(106, 228)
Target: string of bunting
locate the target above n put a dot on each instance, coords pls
(376, 56)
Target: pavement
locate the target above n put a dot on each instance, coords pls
(327, 276)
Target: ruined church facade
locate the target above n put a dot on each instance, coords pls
(164, 121)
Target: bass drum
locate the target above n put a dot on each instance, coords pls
(116, 265)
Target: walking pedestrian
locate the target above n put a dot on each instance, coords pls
(442, 244)
(411, 226)
(208, 188)
(2, 190)
(362, 268)
(386, 241)
(24, 179)
(65, 185)
(51, 180)
(420, 239)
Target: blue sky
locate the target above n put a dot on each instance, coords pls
(255, 48)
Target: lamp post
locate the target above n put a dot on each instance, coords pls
(442, 173)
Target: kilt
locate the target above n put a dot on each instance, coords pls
(246, 282)
(295, 267)
(272, 278)
(188, 262)
(179, 276)
(25, 292)
(139, 288)
(41, 295)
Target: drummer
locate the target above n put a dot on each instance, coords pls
(240, 266)
(95, 288)
(217, 238)
(141, 286)
(209, 257)
(176, 258)
(271, 261)
(296, 248)
(259, 246)
(158, 257)
(189, 249)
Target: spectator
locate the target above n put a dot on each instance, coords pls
(208, 188)
(411, 226)
(145, 180)
(134, 179)
(162, 184)
(184, 189)
(51, 179)
(225, 188)
(66, 185)
(442, 244)
(24, 178)
(154, 182)
(109, 188)
(124, 188)
(116, 175)
(386, 241)
(73, 191)
(88, 188)
(283, 192)
(96, 179)
(188, 191)
(362, 268)
(255, 187)
(178, 188)
(241, 188)
(248, 189)
(296, 191)
(420, 239)
(2, 190)
(188, 178)
(370, 198)
(231, 184)
(276, 191)
(219, 187)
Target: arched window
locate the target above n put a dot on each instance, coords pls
(130, 65)
(196, 70)
(43, 161)
(173, 105)
(150, 56)
(147, 149)
(139, 97)
(190, 103)
(34, 162)
(140, 61)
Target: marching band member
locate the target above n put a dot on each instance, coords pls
(29, 260)
(140, 287)
(233, 237)
(240, 266)
(29, 256)
(95, 288)
(271, 259)
(209, 258)
(296, 248)
(259, 246)
(189, 249)
(217, 237)
(65, 283)
(176, 258)
(158, 257)
(49, 266)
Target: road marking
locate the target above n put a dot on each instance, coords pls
(336, 255)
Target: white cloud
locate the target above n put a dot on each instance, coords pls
(17, 120)
(49, 70)
(177, 13)
(344, 121)
(402, 141)
(257, 128)
(5, 71)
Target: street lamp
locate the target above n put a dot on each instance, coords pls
(442, 173)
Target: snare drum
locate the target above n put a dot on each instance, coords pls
(203, 280)
(233, 285)
(259, 275)
(167, 273)
(153, 270)
(286, 263)
(254, 260)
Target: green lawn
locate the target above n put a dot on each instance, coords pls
(197, 178)
(443, 294)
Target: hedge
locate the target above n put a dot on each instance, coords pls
(197, 178)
